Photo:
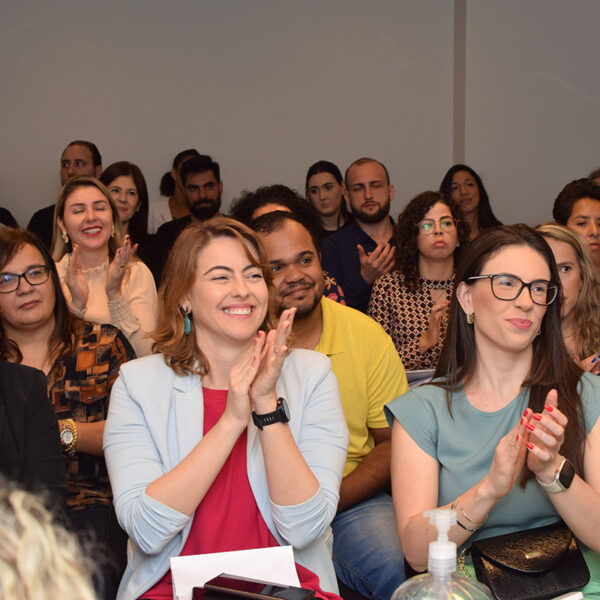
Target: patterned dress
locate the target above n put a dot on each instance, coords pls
(404, 314)
(79, 389)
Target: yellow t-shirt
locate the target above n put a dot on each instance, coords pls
(368, 369)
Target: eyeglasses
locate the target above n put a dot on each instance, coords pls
(427, 226)
(509, 287)
(9, 282)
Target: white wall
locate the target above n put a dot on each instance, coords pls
(532, 100)
(265, 86)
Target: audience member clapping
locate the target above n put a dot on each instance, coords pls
(101, 279)
(508, 435)
(464, 185)
(411, 302)
(224, 440)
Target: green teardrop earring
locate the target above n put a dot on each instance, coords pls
(187, 323)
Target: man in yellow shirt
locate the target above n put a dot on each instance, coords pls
(367, 554)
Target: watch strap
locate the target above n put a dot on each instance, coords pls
(557, 485)
(279, 415)
(69, 425)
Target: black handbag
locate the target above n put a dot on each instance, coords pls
(534, 564)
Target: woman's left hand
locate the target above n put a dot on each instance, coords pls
(272, 355)
(546, 436)
(116, 269)
(590, 364)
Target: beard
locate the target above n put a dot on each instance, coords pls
(368, 217)
(205, 208)
(305, 306)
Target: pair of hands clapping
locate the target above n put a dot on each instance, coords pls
(77, 283)
(537, 439)
(252, 380)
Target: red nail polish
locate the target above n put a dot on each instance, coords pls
(537, 417)
(522, 419)
(525, 413)
(530, 427)
(518, 437)
(530, 445)
(549, 408)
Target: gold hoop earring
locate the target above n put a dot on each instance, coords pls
(112, 232)
(470, 318)
(65, 237)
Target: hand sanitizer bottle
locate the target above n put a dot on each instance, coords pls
(441, 581)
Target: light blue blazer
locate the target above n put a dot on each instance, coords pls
(155, 419)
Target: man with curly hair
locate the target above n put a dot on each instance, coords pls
(366, 550)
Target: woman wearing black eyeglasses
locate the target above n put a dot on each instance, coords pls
(411, 302)
(507, 434)
(81, 361)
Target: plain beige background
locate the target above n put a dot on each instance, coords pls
(269, 86)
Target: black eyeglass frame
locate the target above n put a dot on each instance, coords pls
(551, 287)
(23, 275)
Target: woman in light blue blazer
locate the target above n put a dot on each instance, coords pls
(225, 439)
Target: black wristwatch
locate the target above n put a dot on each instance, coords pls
(562, 479)
(280, 415)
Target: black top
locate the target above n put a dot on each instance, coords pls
(41, 223)
(30, 448)
(6, 218)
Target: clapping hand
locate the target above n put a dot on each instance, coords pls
(76, 281)
(546, 433)
(116, 269)
(509, 459)
(252, 380)
(376, 263)
(271, 358)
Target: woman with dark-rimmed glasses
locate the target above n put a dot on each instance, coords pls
(411, 302)
(507, 433)
(80, 360)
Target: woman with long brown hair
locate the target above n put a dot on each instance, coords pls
(508, 432)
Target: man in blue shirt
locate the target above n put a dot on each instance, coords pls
(358, 254)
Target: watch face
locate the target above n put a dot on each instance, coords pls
(66, 437)
(566, 474)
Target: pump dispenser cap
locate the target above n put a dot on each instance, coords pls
(442, 552)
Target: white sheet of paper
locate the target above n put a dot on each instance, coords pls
(275, 565)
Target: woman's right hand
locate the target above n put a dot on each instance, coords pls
(76, 281)
(509, 458)
(241, 377)
(431, 336)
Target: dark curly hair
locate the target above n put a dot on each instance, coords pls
(243, 208)
(571, 193)
(407, 230)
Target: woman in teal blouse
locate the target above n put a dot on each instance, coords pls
(508, 433)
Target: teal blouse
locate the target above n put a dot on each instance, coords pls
(464, 446)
